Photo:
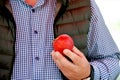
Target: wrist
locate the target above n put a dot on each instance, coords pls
(91, 76)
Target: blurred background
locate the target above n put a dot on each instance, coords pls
(111, 14)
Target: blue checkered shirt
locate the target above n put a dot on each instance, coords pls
(34, 35)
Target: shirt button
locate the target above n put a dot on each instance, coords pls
(35, 32)
(33, 10)
(37, 58)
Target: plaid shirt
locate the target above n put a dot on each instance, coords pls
(35, 34)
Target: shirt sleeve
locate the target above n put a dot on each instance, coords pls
(102, 50)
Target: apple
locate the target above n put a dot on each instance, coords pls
(63, 41)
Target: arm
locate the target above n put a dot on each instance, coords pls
(102, 50)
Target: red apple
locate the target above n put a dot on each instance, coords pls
(62, 42)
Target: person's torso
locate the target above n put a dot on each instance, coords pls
(75, 22)
(34, 36)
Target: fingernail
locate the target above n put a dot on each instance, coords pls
(65, 51)
(56, 54)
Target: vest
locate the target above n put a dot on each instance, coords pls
(73, 18)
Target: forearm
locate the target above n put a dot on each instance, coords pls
(106, 69)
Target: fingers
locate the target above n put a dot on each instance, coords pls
(74, 57)
(77, 51)
(61, 61)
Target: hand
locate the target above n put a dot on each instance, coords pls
(78, 69)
